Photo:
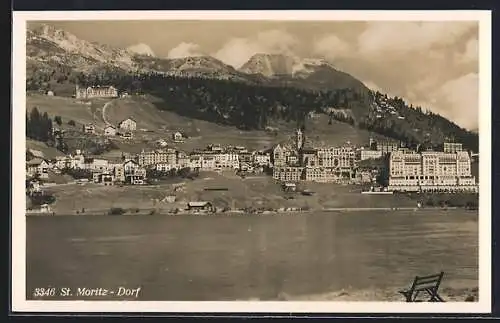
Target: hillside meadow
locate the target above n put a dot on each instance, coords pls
(154, 123)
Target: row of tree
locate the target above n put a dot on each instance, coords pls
(38, 126)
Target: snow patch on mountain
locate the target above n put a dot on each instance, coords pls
(278, 64)
(73, 45)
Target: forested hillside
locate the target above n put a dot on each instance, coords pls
(253, 106)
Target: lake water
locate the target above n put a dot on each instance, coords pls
(242, 257)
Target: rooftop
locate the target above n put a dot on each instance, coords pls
(36, 153)
(35, 161)
(198, 204)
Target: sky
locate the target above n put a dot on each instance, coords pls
(433, 64)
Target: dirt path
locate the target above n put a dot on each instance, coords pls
(104, 112)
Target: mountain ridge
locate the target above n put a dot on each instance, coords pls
(267, 87)
(49, 47)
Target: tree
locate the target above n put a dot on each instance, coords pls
(39, 127)
(58, 120)
(72, 123)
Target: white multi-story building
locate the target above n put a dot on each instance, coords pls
(364, 154)
(452, 147)
(96, 92)
(164, 167)
(287, 174)
(69, 161)
(431, 170)
(388, 146)
(94, 164)
(262, 159)
(322, 174)
(207, 163)
(337, 157)
(195, 162)
(154, 157)
(182, 160)
(226, 160)
(280, 155)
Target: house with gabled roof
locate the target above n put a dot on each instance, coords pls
(128, 124)
(110, 130)
(37, 166)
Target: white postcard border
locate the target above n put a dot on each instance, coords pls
(19, 302)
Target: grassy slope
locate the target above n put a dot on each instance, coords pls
(48, 152)
(68, 109)
(255, 192)
(162, 123)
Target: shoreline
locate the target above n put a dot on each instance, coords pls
(260, 197)
(464, 294)
(149, 212)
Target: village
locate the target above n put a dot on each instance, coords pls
(289, 163)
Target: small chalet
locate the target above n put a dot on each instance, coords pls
(37, 166)
(137, 177)
(200, 207)
(178, 137)
(109, 130)
(128, 124)
(130, 166)
(89, 128)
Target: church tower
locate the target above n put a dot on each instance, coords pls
(299, 139)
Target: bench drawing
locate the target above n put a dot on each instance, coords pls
(424, 284)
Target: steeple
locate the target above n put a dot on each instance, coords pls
(299, 139)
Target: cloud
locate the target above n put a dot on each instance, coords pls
(332, 47)
(471, 53)
(141, 49)
(414, 60)
(277, 41)
(237, 51)
(383, 37)
(458, 99)
(185, 50)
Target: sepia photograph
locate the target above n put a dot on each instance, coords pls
(257, 161)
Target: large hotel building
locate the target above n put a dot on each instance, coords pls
(431, 171)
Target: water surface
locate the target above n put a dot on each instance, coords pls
(242, 257)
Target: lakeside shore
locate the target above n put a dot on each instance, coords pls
(149, 212)
(449, 294)
(252, 195)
